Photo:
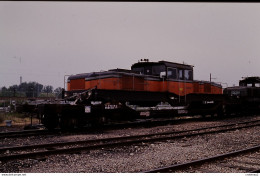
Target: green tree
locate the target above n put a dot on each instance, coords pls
(32, 89)
(4, 92)
(48, 89)
(58, 92)
(13, 89)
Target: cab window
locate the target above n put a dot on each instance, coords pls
(172, 73)
(148, 70)
(157, 69)
(188, 74)
(140, 70)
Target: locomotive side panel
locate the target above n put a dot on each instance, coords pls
(131, 82)
(90, 84)
(138, 83)
(216, 90)
(155, 86)
(122, 82)
(202, 87)
(108, 83)
(180, 88)
(77, 84)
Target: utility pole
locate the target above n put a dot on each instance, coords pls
(210, 78)
(20, 60)
(21, 74)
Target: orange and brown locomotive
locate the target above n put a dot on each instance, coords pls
(146, 76)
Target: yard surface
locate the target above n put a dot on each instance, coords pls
(19, 121)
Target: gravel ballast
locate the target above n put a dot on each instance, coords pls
(142, 157)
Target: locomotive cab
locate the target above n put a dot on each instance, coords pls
(250, 82)
(248, 87)
(170, 70)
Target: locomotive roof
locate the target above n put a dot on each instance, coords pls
(166, 63)
(101, 73)
(253, 79)
(139, 64)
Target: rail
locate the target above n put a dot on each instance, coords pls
(77, 146)
(185, 166)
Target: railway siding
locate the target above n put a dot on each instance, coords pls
(143, 156)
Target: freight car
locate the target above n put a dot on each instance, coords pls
(149, 89)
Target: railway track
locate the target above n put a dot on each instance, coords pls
(246, 160)
(19, 152)
(112, 126)
(140, 123)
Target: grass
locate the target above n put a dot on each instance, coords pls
(17, 119)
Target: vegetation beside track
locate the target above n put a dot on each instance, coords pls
(17, 118)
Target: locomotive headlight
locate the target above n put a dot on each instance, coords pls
(235, 93)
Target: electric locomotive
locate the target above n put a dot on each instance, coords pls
(149, 82)
(245, 98)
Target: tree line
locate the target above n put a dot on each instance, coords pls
(30, 89)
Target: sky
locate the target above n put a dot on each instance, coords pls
(44, 41)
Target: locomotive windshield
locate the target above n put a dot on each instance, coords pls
(150, 69)
(174, 73)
